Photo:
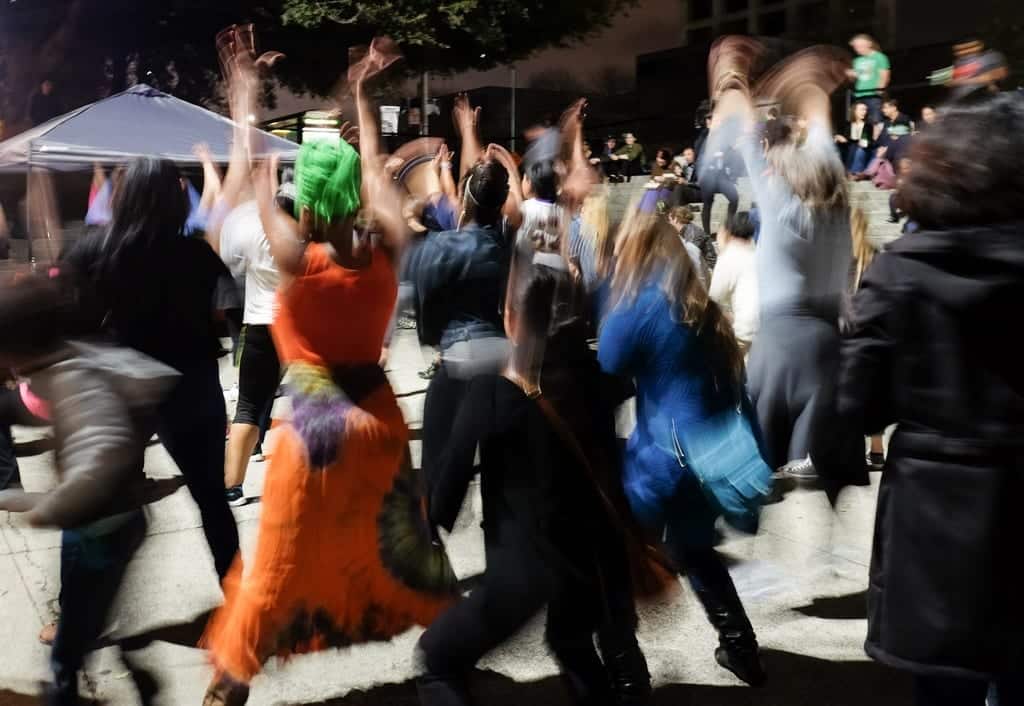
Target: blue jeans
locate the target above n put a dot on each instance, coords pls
(874, 105)
(91, 570)
(857, 158)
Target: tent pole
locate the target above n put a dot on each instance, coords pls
(28, 207)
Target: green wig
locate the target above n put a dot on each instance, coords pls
(327, 180)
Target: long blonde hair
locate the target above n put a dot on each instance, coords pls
(595, 214)
(648, 247)
(819, 184)
(863, 250)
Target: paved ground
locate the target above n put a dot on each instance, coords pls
(802, 577)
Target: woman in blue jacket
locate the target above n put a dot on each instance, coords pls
(663, 331)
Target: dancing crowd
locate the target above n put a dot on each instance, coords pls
(767, 352)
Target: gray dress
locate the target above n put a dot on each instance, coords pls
(803, 258)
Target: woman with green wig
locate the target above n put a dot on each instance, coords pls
(344, 552)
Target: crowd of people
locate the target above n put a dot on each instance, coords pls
(768, 350)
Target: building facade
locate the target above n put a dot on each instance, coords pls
(818, 21)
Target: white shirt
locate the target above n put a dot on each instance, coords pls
(734, 288)
(245, 250)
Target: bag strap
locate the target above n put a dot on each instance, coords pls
(569, 439)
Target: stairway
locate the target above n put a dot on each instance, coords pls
(874, 202)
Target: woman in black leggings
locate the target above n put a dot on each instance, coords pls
(152, 289)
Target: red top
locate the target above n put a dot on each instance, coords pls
(330, 315)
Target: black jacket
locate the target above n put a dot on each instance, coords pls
(934, 350)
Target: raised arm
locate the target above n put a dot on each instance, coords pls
(211, 177)
(513, 204)
(282, 231)
(466, 118)
(448, 186)
(380, 197)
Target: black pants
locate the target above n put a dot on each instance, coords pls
(517, 584)
(444, 395)
(191, 426)
(91, 570)
(715, 182)
(259, 374)
(684, 194)
(950, 691)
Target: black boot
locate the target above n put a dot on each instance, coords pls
(737, 645)
(627, 669)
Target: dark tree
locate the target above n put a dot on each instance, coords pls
(91, 48)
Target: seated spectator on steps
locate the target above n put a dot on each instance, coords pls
(857, 140)
(895, 211)
(681, 218)
(896, 130)
(928, 116)
(630, 156)
(686, 190)
(660, 169)
(605, 162)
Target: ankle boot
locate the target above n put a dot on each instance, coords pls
(737, 651)
(627, 670)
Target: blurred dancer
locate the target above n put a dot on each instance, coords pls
(460, 279)
(664, 332)
(153, 290)
(549, 538)
(344, 554)
(928, 352)
(803, 252)
(102, 400)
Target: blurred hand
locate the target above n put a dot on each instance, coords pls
(504, 158)
(572, 119)
(349, 133)
(264, 178)
(465, 116)
(202, 152)
(840, 139)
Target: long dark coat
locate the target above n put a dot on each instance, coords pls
(936, 348)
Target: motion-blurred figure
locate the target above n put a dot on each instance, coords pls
(103, 399)
(928, 351)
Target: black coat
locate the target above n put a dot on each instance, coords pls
(935, 349)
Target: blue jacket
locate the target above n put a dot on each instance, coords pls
(460, 278)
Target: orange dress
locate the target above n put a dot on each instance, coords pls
(344, 554)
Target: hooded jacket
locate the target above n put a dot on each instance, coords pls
(932, 349)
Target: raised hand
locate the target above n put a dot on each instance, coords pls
(350, 133)
(465, 116)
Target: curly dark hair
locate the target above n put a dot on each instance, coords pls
(946, 190)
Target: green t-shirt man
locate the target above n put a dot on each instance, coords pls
(869, 70)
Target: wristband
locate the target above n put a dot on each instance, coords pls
(446, 165)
